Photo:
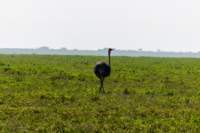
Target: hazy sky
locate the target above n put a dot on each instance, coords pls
(92, 24)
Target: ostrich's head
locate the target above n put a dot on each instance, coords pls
(109, 50)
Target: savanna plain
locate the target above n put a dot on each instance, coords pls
(57, 94)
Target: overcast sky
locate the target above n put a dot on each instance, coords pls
(170, 25)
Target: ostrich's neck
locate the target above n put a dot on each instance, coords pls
(109, 61)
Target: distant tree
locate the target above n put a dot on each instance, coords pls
(44, 48)
(158, 50)
(63, 49)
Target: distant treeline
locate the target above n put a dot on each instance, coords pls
(100, 52)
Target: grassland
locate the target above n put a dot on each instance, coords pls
(60, 94)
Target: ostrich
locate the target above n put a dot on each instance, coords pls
(102, 70)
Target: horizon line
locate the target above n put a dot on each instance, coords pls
(74, 49)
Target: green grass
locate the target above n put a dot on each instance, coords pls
(60, 94)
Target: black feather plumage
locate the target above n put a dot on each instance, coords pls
(102, 70)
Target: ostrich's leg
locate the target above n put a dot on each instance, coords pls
(102, 86)
(101, 89)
